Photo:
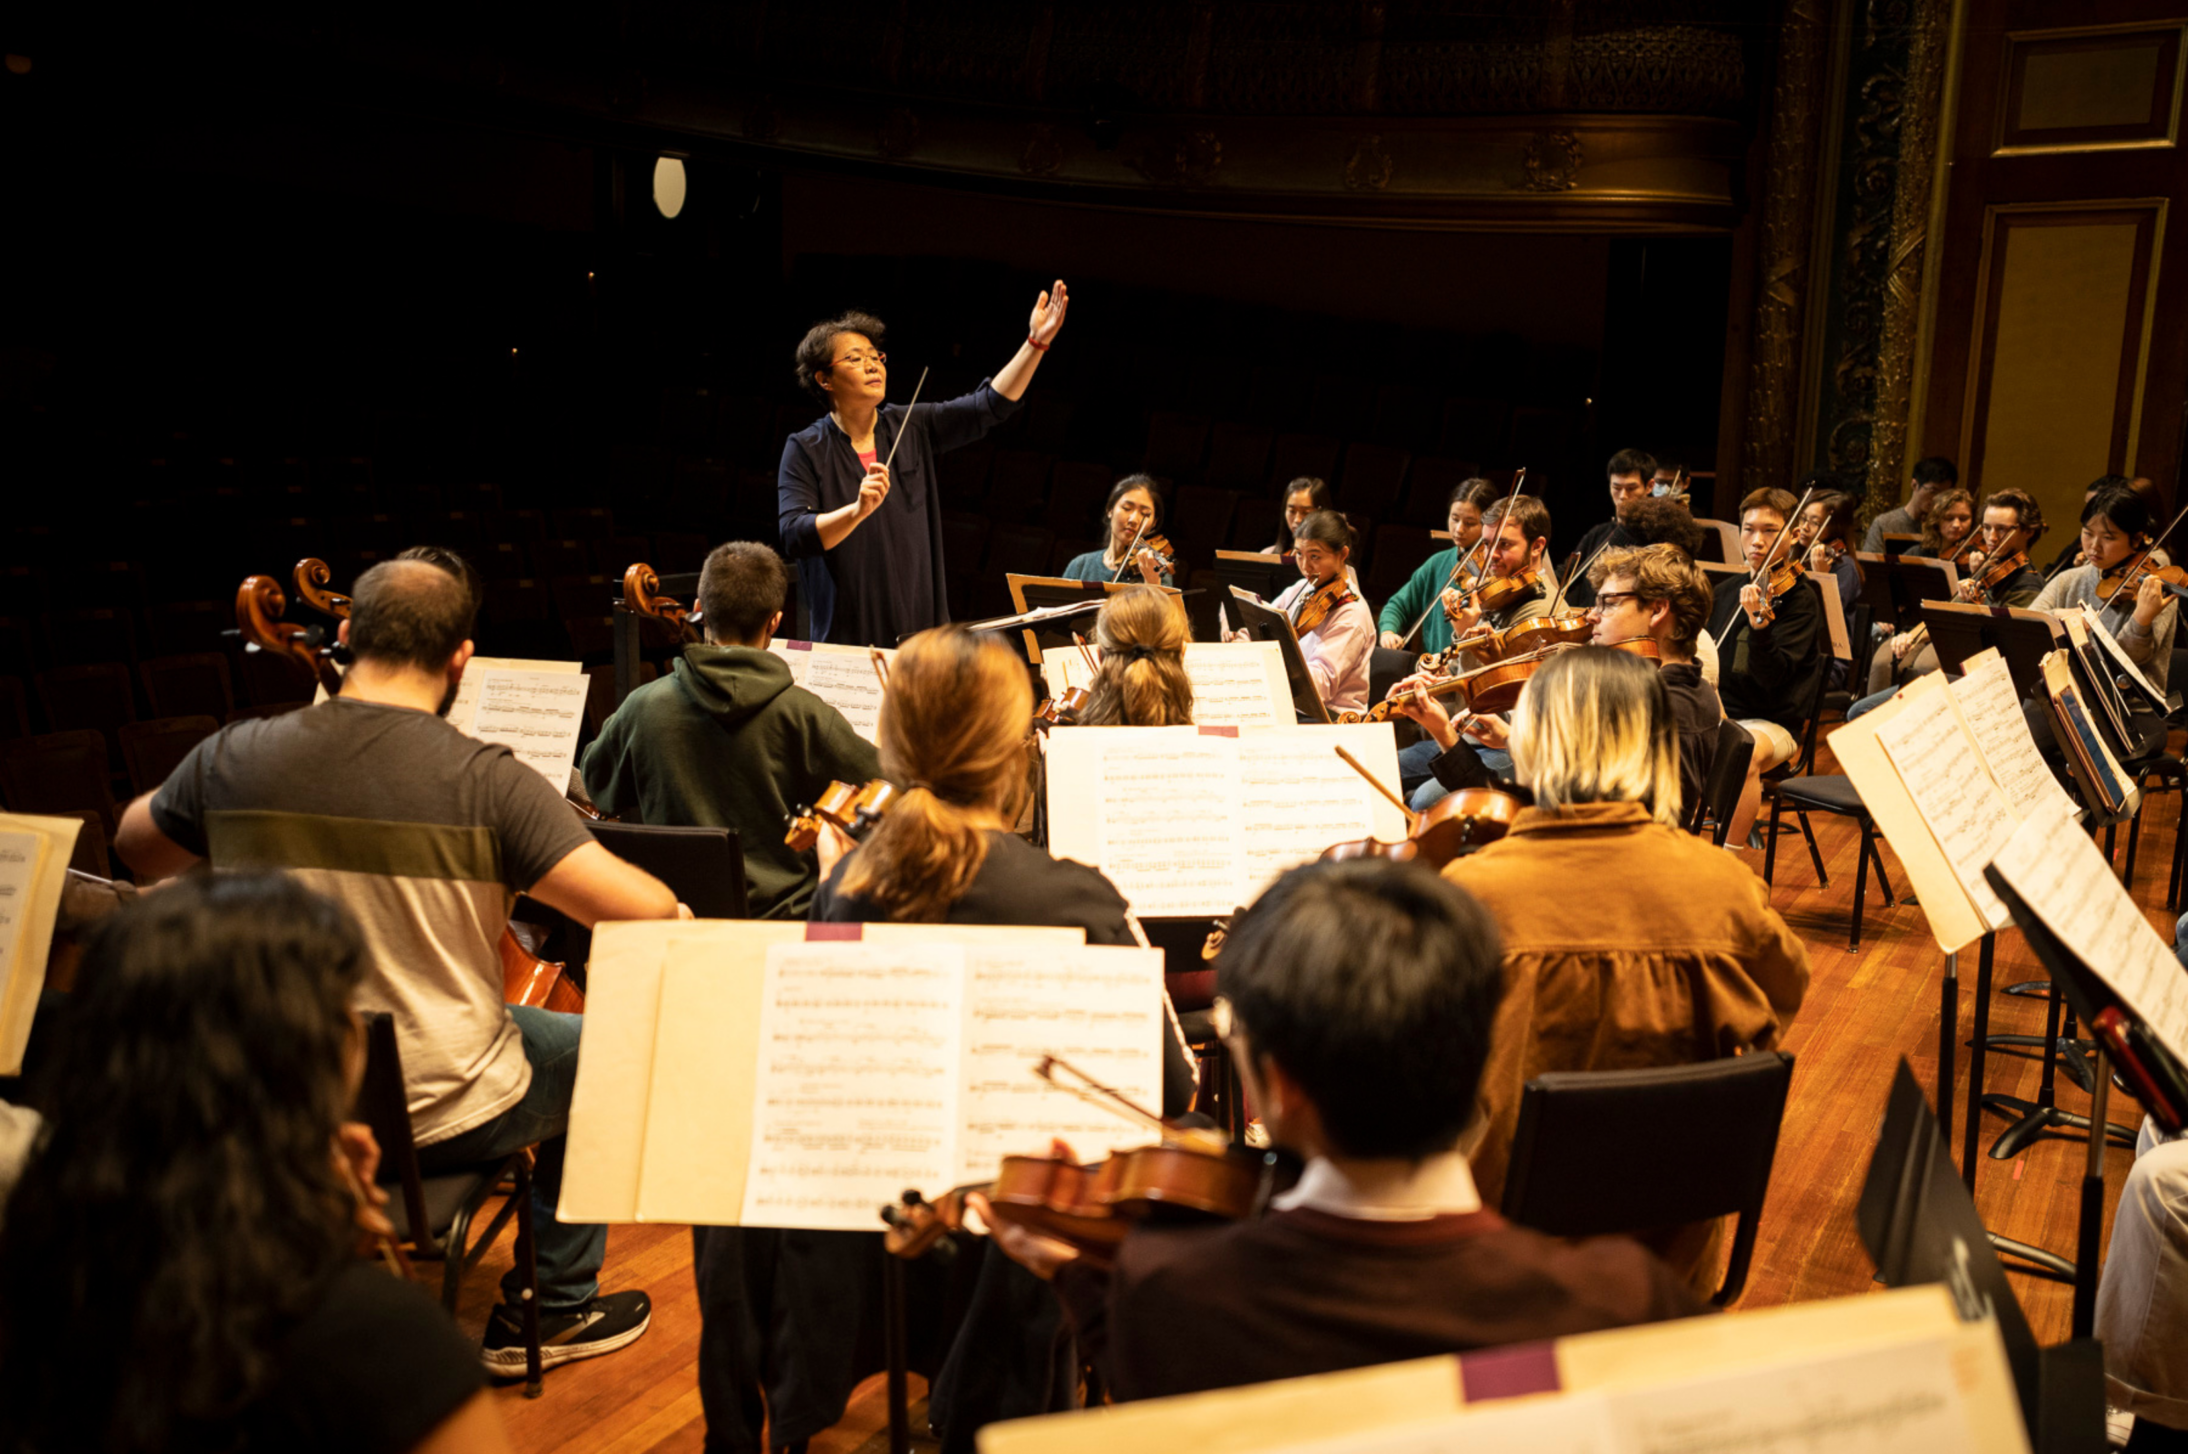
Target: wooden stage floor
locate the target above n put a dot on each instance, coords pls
(1866, 1010)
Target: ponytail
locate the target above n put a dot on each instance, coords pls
(952, 735)
(1142, 680)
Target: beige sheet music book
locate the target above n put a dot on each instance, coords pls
(842, 676)
(719, 1054)
(1883, 1371)
(1235, 683)
(34, 854)
(1194, 821)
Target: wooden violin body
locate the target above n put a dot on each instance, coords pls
(1454, 825)
(1318, 607)
(1527, 636)
(1064, 706)
(2130, 581)
(851, 810)
(543, 984)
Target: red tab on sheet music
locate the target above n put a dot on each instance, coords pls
(795, 645)
(1219, 731)
(834, 933)
(1509, 1372)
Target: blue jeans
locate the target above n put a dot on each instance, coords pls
(569, 1254)
(1871, 702)
(1413, 764)
(1429, 793)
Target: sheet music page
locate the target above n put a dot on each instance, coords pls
(1099, 1007)
(1239, 684)
(1969, 820)
(535, 714)
(2067, 882)
(847, 681)
(797, 655)
(1296, 798)
(464, 710)
(1576, 1424)
(856, 1096)
(1899, 1399)
(34, 855)
(1992, 713)
(1166, 821)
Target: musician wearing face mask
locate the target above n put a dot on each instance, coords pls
(1336, 630)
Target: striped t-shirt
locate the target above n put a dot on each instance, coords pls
(426, 836)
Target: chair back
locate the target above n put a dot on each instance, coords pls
(1804, 760)
(1628, 1151)
(704, 866)
(383, 1105)
(1727, 775)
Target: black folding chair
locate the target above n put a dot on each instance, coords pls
(1602, 1152)
(1727, 775)
(434, 1213)
(1810, 792)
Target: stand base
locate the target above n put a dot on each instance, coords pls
(2072, 1056)
(2048, 1265)
(2034, 1120)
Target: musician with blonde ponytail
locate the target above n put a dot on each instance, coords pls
(1141, 681)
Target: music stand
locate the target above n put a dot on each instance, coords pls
(1265, 623)
(1919, 1224)
(705, 867)
(1267, 576)
(1896, 545)
(1034, 593)
(2024, 638)
(1915, 580)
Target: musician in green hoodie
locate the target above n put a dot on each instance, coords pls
(727, 740)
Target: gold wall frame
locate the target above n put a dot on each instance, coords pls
(2160, 126)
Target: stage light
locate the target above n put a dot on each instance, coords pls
(668, 185)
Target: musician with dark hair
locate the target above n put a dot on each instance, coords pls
(727, 740)
(1630, 473)
(863, 520)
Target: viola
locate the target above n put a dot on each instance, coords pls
(1543, 631)
(642, 597)
(853, 811)
(1319, 606)
(1785, 574)
(1063, 707)
(1166, 557)
(543, 984)
(1496, 687)
(1998, 572)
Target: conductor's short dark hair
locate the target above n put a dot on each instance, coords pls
(409, 613)
(817, 350)
(1936, 470)
(1375, 985)
(740, 588)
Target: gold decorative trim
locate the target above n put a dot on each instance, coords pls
(1920, 137)
(1998, 147)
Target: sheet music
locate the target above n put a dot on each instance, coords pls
(1992, 713)
(20, 855)
(464, 710)
(855, 1098)
(1969, 820)
(1235, 683)
(535, 714)
(1099, 1008)
(1296, 798)
(1166, 828)
(1577, 1424)
(843, 677)
(2071, 887)
(1901, 1399)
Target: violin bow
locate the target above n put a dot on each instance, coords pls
(1752, 577)
(1092, 1091)
(2147, 551)
(906, 427)
(1380, 786)
(1568, 580)
(1519, 487)
(881, 666)
(1135, 545)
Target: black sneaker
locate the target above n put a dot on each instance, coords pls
(601, 1326)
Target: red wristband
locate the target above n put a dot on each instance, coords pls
(1038, 346)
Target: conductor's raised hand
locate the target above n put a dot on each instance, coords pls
(1048, 315)
(873, 489)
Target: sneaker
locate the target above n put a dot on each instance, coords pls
(601, 1326)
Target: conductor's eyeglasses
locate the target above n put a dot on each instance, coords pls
(857, 358)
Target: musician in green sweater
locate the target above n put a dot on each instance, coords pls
(727, 739)
(1418, 594)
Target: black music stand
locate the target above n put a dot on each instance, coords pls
(1896, 544)
(1960, 630)
(1915, 579)
(2088, 996)
(1267, 576)
(1876, 587)
(705, 867)
(1265, 623)
(1920, 1225)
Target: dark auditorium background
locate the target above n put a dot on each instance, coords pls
(342, 278)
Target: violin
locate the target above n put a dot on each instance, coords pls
(642, 597)
(1190, 1173)
(1166, 558)
(851, 811)
(1213, 944)
(1455, 824)
(2112, 583)
(1784, 575)
(1499, 592)
(1527, 636)
(1317, 608)
(1496, 687)
(1061, 708)
(1998, 572)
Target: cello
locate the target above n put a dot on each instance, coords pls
(642, 597)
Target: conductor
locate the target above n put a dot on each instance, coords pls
(866, 529)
